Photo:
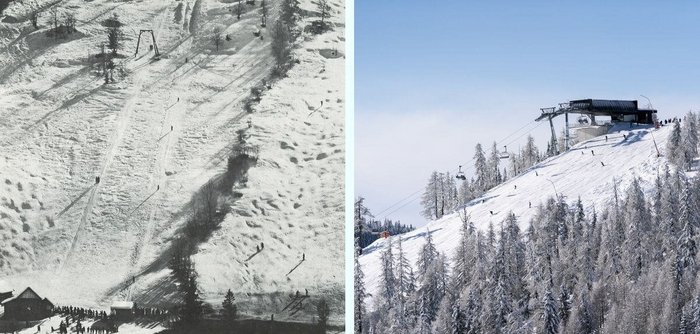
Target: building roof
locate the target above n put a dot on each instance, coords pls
(595, 107)
(606, 106)
(28, 293)
(122, 305)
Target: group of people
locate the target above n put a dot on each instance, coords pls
(670, 120)
(80, 313)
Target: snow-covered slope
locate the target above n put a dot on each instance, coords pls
(155, 137)
(587, 170)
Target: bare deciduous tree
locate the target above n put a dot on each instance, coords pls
(70, 22)
(54, 21)
(216, 37)
(324, 10)
(34, 18)
(264, 12)
(239, 9)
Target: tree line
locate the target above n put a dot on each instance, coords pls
(368, 229)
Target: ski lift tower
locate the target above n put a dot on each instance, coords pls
(549, 114)
(155, 45)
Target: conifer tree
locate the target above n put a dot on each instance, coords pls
(229, 309)
(673, 145)
(687, 249)
(458, 323)
(481, 171)
(360, 292)
(431, 199)
(551, 316)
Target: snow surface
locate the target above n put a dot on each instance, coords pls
(575, 173)
(86, 244)
(55, 321)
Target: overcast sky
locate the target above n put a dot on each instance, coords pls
(434, 78)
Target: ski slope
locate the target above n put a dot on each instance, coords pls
(154, 138)
(573, 174)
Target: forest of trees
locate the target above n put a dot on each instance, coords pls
(629, 267)
(368, 229)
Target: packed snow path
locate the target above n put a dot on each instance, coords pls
(586, 170)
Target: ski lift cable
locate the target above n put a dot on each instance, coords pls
(397, 203)
(401, 207)
(467, 167)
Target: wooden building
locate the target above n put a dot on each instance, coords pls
(123, 311)
(27, 306)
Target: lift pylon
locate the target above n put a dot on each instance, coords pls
(155, 45)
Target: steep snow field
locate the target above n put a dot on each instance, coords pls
(575, 173)
(84, 243)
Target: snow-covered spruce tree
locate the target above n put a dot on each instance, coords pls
(362, 214)
(388, 281)
(670, 206)
(471, 313)
(515, 262)
(405, 285)
(530, 153)
(428, 254)
(464, 260)
(580, 321)
(495, 177)
(550, 314)
(431, 199)
(443, 318)
(466, 191)
(514, 162)
(687, 249)
(695, 314)
(497, 300)
(458, 320)
(637, 219)
(430, 293)
(481, 171)
(689, 140)
(359, 292)
(673, 145)
(451, 194)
